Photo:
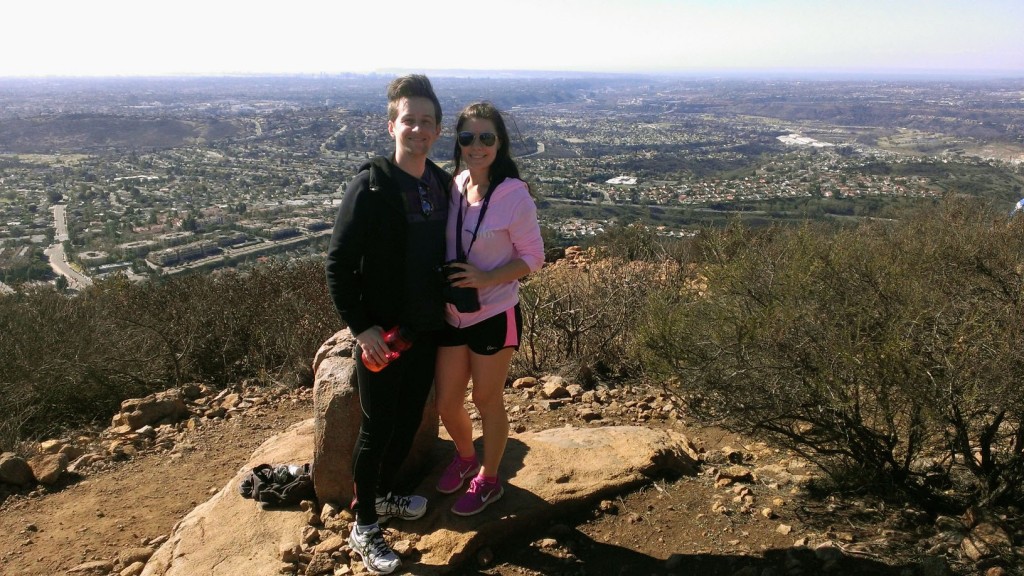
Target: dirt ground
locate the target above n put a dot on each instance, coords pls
(692, 525)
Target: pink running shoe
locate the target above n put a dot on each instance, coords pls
(456, 473)
(480, 494)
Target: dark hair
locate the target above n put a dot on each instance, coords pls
(411, 86)
(503, 166)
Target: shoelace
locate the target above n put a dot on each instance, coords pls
(480, 487)
(477, 485)
(377, 545)
(395, 504)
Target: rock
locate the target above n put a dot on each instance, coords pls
(83, 462)
(329, 546)
(71, 452)
(162, 407)
(985, 540)
(589, 461)
(320, 564)
(51, 446)
(525, 382)
(403, 548)
(736, 474)
(14, 470)
(133, 569)
(231, 401)
(310, 535)
(328, 511)
(554, 388)
(547, 543)
(289, 551)
(94, 567)
(337, 417)
(240, 539)
(47, 468)
(133, 555)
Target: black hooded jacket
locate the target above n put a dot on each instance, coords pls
(383, 262)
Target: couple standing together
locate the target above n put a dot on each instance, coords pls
(441, 259)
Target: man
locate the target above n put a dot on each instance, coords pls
(382, 272)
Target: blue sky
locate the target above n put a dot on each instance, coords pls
(157, 37)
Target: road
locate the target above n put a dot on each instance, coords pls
(58, 259)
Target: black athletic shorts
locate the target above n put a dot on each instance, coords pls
(489, 336)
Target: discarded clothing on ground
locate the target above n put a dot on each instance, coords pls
(280, 485)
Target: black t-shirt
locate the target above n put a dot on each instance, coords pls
(426, 214)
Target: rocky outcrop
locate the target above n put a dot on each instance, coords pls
(549, 474)
(336, 422)
(171, 415)
(167, 407)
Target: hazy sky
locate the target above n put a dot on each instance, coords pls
(156, 37)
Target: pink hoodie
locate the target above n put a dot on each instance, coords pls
(509, 231)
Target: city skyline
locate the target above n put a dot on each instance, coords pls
(120, 38)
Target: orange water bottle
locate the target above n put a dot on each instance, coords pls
(399, 340)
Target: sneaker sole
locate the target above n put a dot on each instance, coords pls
(480, 509)
(469, 474)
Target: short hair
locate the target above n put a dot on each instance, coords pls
(411, 86)
(503, 166)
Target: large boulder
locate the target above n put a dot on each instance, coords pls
(549, 475)
(337, 417)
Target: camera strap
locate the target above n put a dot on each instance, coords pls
(458, 221)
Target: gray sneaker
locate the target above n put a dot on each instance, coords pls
(377, 556)
(408, 507)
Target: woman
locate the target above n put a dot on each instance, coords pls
(493, 240)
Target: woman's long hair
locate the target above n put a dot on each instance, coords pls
(503, 166)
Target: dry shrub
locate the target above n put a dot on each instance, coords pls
(580, 315)
(71, 361)
(891, 350)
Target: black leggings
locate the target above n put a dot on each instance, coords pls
(392, 402)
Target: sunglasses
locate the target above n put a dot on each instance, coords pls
(486, 138)
(425, 206)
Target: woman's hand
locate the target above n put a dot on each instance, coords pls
(468, 276)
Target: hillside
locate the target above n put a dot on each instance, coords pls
(714, 524)
(97, 132)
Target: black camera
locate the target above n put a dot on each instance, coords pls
(465, 299)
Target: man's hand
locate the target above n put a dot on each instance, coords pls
(372, 343)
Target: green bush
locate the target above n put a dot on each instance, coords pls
(891, 350)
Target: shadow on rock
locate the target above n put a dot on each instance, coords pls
(550, 474)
